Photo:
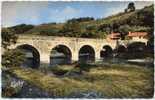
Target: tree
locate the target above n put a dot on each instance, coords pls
(20, 29)
(82, 19)
(72, 29)
(126, 10)
(115, 25)
(91, 31)
(150, 45)
(124, 29)
(105, 28)
(83, 67)
(8, 37)
(11, 57)
(131, 7)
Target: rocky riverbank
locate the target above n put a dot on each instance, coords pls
(23, 89)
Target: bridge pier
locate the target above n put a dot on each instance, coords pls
(75, 57)
(97, 55)
(44, 60)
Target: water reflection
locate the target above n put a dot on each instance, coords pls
(32, 56)
(28, 62)
(60, 60)
(60, 54)
(147, 62)
(86, 54)
(86, 57)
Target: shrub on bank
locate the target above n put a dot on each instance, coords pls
(12, 58)
(58, 71)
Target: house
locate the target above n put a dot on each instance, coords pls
(114, 36)
(137, 35)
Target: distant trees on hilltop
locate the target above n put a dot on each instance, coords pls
(82, 19)
(131, 7)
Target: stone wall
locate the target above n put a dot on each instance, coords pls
(44, 45)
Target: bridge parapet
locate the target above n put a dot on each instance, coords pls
(57, 38)
(68, 40)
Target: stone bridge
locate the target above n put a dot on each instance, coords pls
(43, 45)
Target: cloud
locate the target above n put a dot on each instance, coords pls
(112, 11)
(62, 15)
(69, 10)
(18, 12)
(31, 12)
(14, 13)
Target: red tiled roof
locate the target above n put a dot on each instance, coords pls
(136, 34)
(114, 35)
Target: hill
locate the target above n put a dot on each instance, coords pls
(138, 20)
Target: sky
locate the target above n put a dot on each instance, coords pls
(32, 12)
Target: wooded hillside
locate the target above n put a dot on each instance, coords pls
(137, 20)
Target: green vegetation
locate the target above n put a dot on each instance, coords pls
(8, 37)
(131, 7)
(12, 58)
(109, 80)
(21, 28)
(132, 20)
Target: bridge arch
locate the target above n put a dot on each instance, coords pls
(136, 49)
(106, 51)
(121, 48)
(86, 54)
(120, 51)
(136, 46)
(32, 55)
(60, 54)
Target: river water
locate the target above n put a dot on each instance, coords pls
(64, 60)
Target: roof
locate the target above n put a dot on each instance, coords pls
(115, 33)
(136, 34)
(114, 36)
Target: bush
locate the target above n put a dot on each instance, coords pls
(44, 69)
(84, 67)
(58, 71)
(8, 37)
(19, 29)
(8, 91)
(13, 58)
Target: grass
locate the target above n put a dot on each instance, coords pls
(122, 82)
(111, 81)
(51, 84)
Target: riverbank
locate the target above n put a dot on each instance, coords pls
(100, 81)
